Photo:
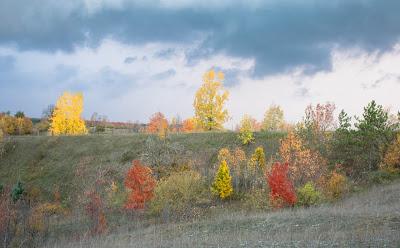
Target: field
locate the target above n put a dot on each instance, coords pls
(368, 216)
(47, 162)
(368, 219)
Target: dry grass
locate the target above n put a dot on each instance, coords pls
(369, 219)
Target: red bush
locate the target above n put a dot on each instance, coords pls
(141, 183)
(282, 191)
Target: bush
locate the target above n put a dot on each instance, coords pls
(257, 160)
(336, 185)
(17, 191)
(304, 164)
(392, 156)
(140, 181)
(246, 131)
(281, 188)
(256, 199)
(308, 195)
(178, 194)
(382, 176)
(222, 185)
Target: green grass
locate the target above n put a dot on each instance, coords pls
(73, 163)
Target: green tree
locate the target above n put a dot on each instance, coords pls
(361, 149)
(222, 185)
(19, 114)
(375, 133)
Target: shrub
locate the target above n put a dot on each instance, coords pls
(246, 130)
(304, 164)
(257, 160)
(281, 188)
(178, 194)
(222, 185)
(116, 195)
(392, 156)
(308, 195)
(256, 199)
(140, 181)
(17, 191)
(336, 185)
(38, 219)
(160, 152)
(94, 209)
(225, 154)
(8, 218)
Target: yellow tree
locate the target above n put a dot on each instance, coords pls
(273, 119)
(209, 102)
(222, 185)
(66, 118)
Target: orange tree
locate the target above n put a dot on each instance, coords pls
(140, 181)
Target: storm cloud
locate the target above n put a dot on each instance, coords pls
(279, 35)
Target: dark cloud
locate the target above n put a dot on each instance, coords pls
(278, 35)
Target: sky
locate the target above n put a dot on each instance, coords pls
(131, 59)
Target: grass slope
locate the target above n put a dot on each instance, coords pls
(369, 219)
(73, 163)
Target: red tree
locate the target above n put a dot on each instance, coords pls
(141, 183)
(281, 188)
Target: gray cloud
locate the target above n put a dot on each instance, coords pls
(165, 54)
(130, 60)
(278, 35)
(6, 63)
(165, 74)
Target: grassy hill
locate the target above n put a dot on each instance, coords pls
(73, 163)
(368, 219)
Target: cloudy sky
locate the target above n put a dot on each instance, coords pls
(133, 58)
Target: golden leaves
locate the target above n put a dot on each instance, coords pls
(66, 118)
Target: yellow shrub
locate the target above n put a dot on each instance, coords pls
(222, 185)
(258, 158)
(392, 156)
(336, 185)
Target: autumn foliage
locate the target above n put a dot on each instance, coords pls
(210, 113)
(188, 125)
(140, 181)
(282, 191)
(66, 118)
(392, 156)
(158, 124)
(304, 164)
(222, 185)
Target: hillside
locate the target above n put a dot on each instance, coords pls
(72, 163)
(369, 219)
